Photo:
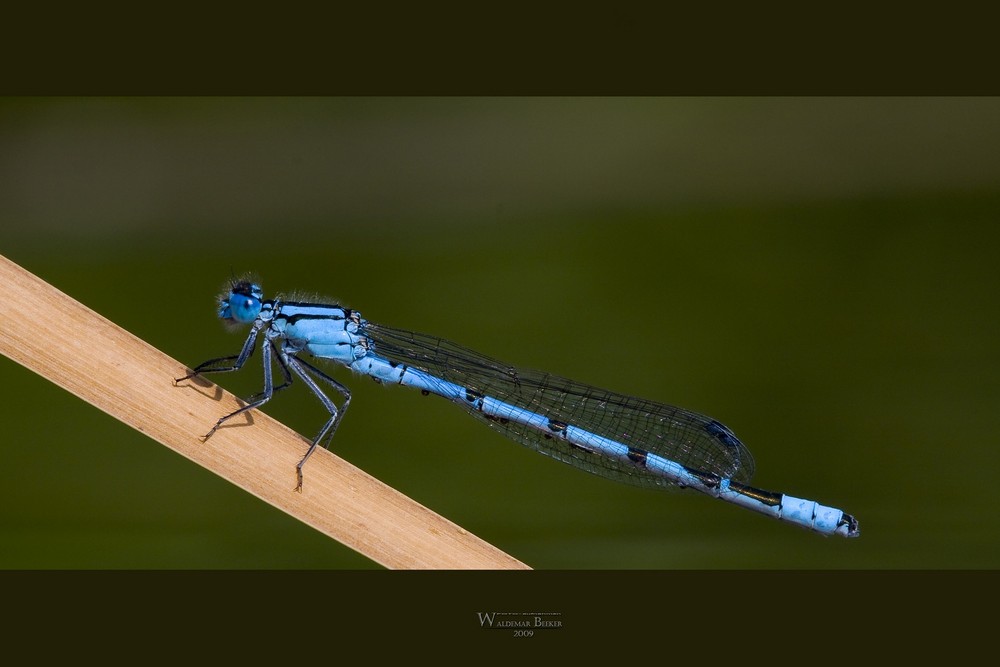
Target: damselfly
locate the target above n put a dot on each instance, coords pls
(615, 436)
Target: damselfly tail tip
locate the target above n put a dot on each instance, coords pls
(848, 526)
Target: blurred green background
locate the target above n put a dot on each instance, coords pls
(818, 274)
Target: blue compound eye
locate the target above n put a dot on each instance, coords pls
(241, 308)
(245, 308)
(241, 302)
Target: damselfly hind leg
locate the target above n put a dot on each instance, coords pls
(303, 369)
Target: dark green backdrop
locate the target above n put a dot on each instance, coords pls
(819, 274)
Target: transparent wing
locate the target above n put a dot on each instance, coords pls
(688, 438)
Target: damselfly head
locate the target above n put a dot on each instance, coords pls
(241, 303)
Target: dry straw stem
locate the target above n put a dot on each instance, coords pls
(125, 377)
